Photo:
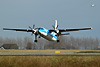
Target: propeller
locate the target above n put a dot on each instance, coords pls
(31, 29)
(34, 31)
(55, 27)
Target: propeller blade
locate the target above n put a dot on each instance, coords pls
(33, 26)
(30, 27)
(53, 26)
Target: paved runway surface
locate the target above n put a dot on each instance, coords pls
(50, 55)
(44, 53)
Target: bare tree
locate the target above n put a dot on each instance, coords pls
(20, 43)
(65, 43)
(29, 45)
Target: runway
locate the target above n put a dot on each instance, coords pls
(45, 53)
(50, 55)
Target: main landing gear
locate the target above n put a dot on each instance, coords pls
(35, 38)
(35, 41)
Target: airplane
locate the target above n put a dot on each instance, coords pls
(51, 34)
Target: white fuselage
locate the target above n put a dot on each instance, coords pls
(47, 36)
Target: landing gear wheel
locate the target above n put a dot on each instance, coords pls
(35, 40)
(58, 41)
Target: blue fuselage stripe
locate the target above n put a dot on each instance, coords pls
(41, 29)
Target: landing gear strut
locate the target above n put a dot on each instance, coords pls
(35, 38)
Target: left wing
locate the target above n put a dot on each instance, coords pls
(68, 30)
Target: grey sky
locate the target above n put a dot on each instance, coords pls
(69, 13)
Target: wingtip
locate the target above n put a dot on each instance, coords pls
(91, 28)
(3, 28)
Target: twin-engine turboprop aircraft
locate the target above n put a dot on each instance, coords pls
(51, 34)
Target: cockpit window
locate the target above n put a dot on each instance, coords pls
(40, 28)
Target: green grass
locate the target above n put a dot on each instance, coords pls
(49, 61)
(89, 52)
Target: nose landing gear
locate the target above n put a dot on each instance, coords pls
(58, 40)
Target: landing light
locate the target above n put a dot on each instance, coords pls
(91, 28)
(92, 5)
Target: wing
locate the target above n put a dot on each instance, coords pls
(68, 30)
(24, 30)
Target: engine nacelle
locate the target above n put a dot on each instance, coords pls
(57, 31)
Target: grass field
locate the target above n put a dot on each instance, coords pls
(60, 52)
(49, 61)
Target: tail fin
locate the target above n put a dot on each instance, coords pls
(55, 26)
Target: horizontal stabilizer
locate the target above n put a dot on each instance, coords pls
(65, 34)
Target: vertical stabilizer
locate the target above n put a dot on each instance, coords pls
(55, 25)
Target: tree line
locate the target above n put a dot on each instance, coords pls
(65, 43)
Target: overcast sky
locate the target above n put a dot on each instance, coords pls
(43, 13)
